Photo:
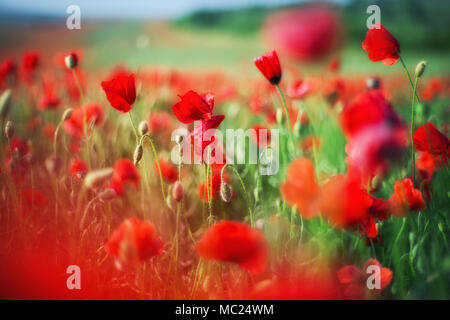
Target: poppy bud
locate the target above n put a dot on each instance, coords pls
(5, 102)
(143, 128)
(179, 139)
(373, 83)
(71, 60)
(138, 152)
(279, 116)
(177, 191)
(9, 129)
(67, 114)
(420, 68)
(225, 192)
(107, 194)
(96, 178)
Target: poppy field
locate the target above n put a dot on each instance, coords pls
(118, 180)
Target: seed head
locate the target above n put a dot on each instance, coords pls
(67, 114)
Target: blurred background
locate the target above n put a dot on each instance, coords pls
(226, 34)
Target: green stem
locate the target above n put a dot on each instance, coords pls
(84, 116)
(408, 75)
(413, 154)
(134, 127)
(288, 118)
(155, 156)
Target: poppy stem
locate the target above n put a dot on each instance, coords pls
(413, 154)
(288, 118)
(155, 156)
(409, 76)
(75, 77)
(134, 127)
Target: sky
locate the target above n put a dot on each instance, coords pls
(129, 8)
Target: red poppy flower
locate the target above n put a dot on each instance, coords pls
(260, 132)
(381, 45)
(427, 164)
(30, 62)
(78, 168)
(354, 280)
(379, 209)
(134, 242)
(429, 139)
(22, 146)
(203, 133)
(7, 71)
(343, 202)
(432, 88)
(50, 99)
(269, 65)
(75, 125)
(301, 188)
(124, 172)
(120, 92)
(168, 171)
(367, 109)
(405, 197)
(194, 107)
(236, 242)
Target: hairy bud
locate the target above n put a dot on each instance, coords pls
(71, 60)
(420, 68)
(177, 191)
(179, 139)
(67, 114)
(9, 129)
(279, 116)
(143, 128)
(373, 83)
(225, 192)
(137, 156)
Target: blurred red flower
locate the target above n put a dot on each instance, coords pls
(299, 89)
(78, 168)
(301, 188)
(50, 99)
(120, 92)
(194, 107)
(124, 172)
(381, 45)
(354, 280)
(236, 242)
(259, 133)
(7, 72)
(366, 109)
(307, 33)
(429, 139)
(159, 122)
(49, 130)
(75, 125)
(343, 202)
(269, 65)
(168, 171)
(30, 62)
(133, 242)
(405, 197)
